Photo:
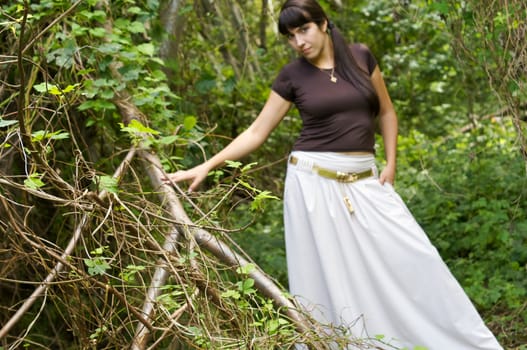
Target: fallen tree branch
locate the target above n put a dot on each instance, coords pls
(216, 247)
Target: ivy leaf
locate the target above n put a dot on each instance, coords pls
(98, 32)
(96, 266)
(246, 269)
(107, 183)
(134, 10)
(146, 49)
(135, 127)
(34, 182)
(136, 27)
(231, 294)
(70, 88)
(233, 164)
(54, 89)
(44, 134)
(42, 87)
(96, 105)
(246, 286)
(258, 201)
(59, 135)
(4, 123)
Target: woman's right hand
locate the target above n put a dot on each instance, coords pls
(196, 175)
(274, 110)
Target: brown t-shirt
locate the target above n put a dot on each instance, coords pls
(336, 116)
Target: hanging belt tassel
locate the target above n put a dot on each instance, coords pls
(347, 201)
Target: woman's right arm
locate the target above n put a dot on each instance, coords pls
(253, 137)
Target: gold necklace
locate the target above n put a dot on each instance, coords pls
(332, 76)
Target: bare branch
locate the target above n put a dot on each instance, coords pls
(41, 290)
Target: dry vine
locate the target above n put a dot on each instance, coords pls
(502, 52)
(104, 262)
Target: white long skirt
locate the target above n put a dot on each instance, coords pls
(373, 270)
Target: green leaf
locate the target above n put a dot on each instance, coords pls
(167, 140)
(248, 166)
(246, 269)
(440, 6)
(96, 105)
(44, 134)
(38, 135)
(136, 27)
(107, 183)
(231, 294)
(99, 250)
(135, 127)
(96, 266)
(4, 123)
(146, 49)
(98, 32)
(189, 123)
(59, 135)
(42, 87)
(233, 164)
(247, 284)
(128, 274)
(258, 201)
(134, 10)
(70, 88)
(54, 89)
(33, 181)
(98, 332)
(110, 48)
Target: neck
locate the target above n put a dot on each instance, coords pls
(326, 59)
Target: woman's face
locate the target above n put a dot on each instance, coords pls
(309, 40)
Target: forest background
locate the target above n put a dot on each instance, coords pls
(99, 98)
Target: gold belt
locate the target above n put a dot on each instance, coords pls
(336, 175)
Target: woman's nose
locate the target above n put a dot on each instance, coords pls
(299, 41)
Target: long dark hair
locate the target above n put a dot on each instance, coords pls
(295, 13)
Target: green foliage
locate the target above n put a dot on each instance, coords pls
(4, 123)
(34, 181)
(129, 273)
(432, 90)
(263, 240)
(467, 189)
(468, 192)
(107, 183)
(40, 135)
(98, 264)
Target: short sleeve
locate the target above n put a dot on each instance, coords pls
(364, 56)
(282, 85)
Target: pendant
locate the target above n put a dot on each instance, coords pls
(348, 204)
(333, 79)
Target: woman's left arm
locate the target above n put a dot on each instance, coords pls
(388, 125)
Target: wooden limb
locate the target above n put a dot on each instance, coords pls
(219, 249)
(41, 290)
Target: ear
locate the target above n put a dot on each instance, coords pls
(324, 26)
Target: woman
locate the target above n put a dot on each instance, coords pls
(356, 256)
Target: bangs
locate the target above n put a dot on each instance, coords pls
(292, 17)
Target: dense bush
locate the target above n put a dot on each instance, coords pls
(468, 191)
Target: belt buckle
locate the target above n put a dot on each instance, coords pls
(346, 177)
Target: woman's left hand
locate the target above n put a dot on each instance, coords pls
(387, 175)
